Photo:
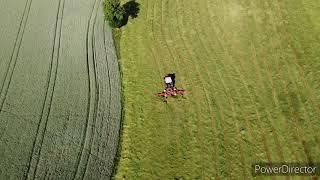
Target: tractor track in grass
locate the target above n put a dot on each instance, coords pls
(50, 87)
(240, 72)
(274, 132)
(208, 52)
(211, 82)
(174, 59)
(191, 52)
(14, 55)
(275, 94)
(221, 112)
(274, 100)
(286, 38)
(164, 40)
(150, 14)
(289, 38)
(250, 135)
(259, 76)
(260, 80)
(237, 94)
(179, 56)
(92, 93)
(156, 56)
(153, 51)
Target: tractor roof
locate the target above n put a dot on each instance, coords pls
(168, 79)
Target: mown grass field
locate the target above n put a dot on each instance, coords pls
(60, 106)
(252, 72)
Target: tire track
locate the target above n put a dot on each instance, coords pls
(153, 49)
(209, 51)
(108, 106)
(275, 101)
(289, 37)
(292, 114)
(237, 94)
(176, 62)
(156, 57)
(275, 95)
(92, 96)
(46, 107)
(256, 109)
(260, 80)
(154, 54)
(192, 53)
(240, 71)
(221, 113)
(210, 82)
(14, 55)
(97, 92)
(237, 70)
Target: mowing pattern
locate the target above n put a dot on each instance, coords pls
(251, 69)
(60, 104)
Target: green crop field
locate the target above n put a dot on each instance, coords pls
(60, 106)
(251, 69)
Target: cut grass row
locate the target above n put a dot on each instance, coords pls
(252, 87)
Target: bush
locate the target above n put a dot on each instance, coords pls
(114, 13)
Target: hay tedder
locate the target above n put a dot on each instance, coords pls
(170, 88)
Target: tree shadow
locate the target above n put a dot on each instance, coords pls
(131, 9)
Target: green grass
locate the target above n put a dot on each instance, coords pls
(252, 72)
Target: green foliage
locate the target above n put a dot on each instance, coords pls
(114, 13)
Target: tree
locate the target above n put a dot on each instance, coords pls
(114, 13)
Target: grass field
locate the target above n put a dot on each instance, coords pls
(252, 72)
(60, 103)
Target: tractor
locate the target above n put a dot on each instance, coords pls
(170, 87)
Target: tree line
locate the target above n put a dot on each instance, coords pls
(114, 13)
(117, 15)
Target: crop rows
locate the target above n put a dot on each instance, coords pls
(60, 94)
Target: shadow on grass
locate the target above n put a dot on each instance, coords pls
(131, 9)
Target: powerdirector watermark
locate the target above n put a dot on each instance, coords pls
(286, 169)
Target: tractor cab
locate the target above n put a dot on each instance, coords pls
(169, 81)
